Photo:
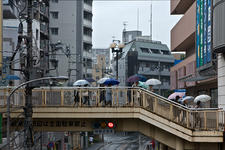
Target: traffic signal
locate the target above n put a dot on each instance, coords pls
(110, 124)
(104, 124)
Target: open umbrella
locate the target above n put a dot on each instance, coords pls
(202, 98)
(136, 77)
(153, 82)
(188, 98)
(142, 84)
(175, 94)
(81, 83)
(111, 81)
(12, 77)
(102, 80)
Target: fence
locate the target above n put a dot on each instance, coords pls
(195, 119)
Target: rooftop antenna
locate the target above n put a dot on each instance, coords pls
(138, 19)
(125, 25)
(150, 20)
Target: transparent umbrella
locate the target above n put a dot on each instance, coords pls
(81, 82)
(153, 82)
(202, 98)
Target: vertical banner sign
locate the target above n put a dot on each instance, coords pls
(201, 33)
(209, 33)
(197, 32)
(0, 128)
(205, 33)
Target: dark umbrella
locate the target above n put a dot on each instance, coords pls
(12, 77)
(111, 81)
(136, 77)
(90, 80)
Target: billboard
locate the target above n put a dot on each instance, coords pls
(203, 32)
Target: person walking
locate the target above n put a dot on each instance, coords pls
(85, 95)
(137, 94)
(197, 114)
(108, 95)
(76, 97)
(102, 95)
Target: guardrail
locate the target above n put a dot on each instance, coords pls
(195, 119)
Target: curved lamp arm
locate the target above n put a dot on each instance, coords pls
(59, 78)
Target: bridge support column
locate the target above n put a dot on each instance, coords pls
(179, 144)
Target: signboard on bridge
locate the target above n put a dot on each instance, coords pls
(103, 131)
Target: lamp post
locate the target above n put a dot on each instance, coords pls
(117, 48)
(59, 78)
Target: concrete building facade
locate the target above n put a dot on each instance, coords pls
(186, 75)
(101, 63)
(40, 39)
(219, 47)
(71, 24)
(151, 59)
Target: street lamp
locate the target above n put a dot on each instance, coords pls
(58, 79)
(117, 48)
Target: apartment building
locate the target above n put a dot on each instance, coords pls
(10, 36)
(101, 63)
(149, 58)
(197, 72)
(71, 24)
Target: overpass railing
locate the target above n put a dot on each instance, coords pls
(195, 119)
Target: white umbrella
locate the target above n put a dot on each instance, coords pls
(188, 98)
(80, 83)
(202, 98)
(102, 80)
(153, 82)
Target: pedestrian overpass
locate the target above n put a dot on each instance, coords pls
(132, 109)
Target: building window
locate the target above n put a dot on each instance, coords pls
(55, 1)
(55, 14)
(144, 50)
(55, 31)
(165, 52)
(155, 51)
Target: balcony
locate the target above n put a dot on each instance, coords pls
(183, 33)
(87, 7)
(87, 23)
(87, 38)
(87, 54)
(180, 6)
(9, 11)
(44, 10)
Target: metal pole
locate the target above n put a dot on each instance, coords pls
(13, 91)
(28, 127)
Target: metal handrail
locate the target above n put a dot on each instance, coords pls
(210, 118)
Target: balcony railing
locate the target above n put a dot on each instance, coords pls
(194, 119)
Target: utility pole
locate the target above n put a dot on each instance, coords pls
(28, 127)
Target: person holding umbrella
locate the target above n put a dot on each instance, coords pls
(137, 94)
(109, 82)
(102, 94)
(108, 96)
(85, 96)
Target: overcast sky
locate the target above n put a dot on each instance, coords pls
(108, 18)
